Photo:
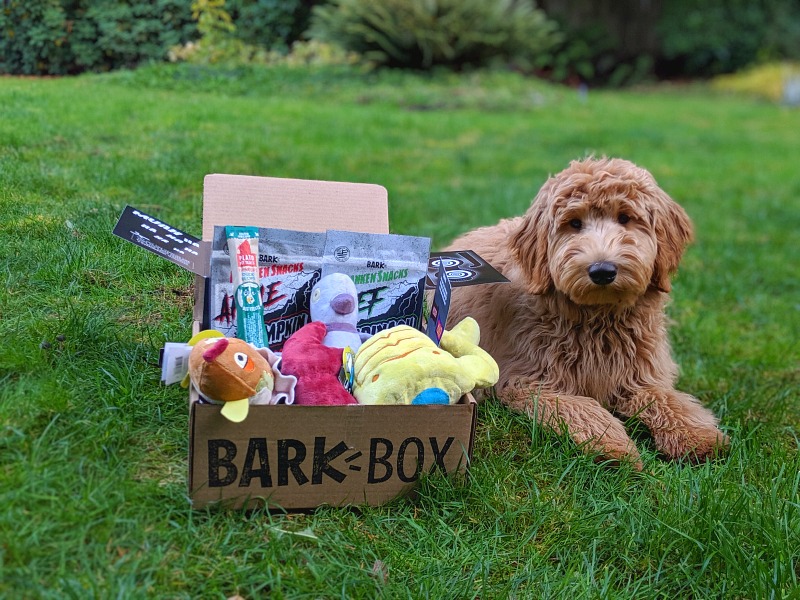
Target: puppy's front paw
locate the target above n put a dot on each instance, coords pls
(695, 444)
(612, 445)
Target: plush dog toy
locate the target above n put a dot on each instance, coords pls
(334, 302)
(316, 367)
(232, 372)
(403, 366)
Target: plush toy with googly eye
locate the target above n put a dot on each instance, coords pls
(231, 372)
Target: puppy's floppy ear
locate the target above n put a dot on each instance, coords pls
(529, 241)
(674, 232)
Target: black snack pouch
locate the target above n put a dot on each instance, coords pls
(289, 263)
(389, 272)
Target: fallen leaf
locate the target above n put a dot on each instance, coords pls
(306, 533)
(380, 571)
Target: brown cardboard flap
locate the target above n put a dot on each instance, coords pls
(297, 457)
(305, 205)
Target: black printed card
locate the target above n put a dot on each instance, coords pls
(165, 240)
(463, 267)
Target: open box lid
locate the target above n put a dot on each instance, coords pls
(305, 205)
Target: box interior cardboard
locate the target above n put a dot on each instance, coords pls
(293, 204)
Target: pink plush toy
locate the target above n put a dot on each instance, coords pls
(316, 367)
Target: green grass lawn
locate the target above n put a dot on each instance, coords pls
(93, 450)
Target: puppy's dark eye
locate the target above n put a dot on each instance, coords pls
(623, 218)
(576, 223)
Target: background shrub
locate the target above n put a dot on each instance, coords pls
(217, 43)
(613, 42)
(605, 42)
(600, 42)
(772, 81)
(421, 34)
(60, 37)
(220, 44)
(33, 37)
(117, 34)
(273, 24)
(708, 37)
(590, 55)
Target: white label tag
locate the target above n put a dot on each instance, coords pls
(175, 363)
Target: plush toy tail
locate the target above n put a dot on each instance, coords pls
(432, 396)
(468, 331)
(462, 342)
(205, 334)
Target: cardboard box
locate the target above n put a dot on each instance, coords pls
(299, 457)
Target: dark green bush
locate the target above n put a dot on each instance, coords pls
(422, 34)
(272, 24)
(124, 34)
(590, 56)
(61, 37)
(34, 37)
(612, 42)
(708, 37)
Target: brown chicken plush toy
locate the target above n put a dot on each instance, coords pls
(236, 374)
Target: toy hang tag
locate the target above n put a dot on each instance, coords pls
(441, 306)
(347, 374)
(175, 362)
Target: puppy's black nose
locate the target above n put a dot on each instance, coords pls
(602, 273)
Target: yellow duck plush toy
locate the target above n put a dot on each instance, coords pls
(403, 366)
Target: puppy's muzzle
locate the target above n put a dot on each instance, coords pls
(602, 273)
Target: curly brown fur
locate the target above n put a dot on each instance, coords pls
(574, 347)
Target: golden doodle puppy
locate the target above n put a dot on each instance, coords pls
(580, 332)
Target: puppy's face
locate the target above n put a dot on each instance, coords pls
(601, 251)
(602, 232)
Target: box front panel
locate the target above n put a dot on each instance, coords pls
(300, 457)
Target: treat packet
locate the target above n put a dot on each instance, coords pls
(389, 271)
(243, 252)
(289, 262)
